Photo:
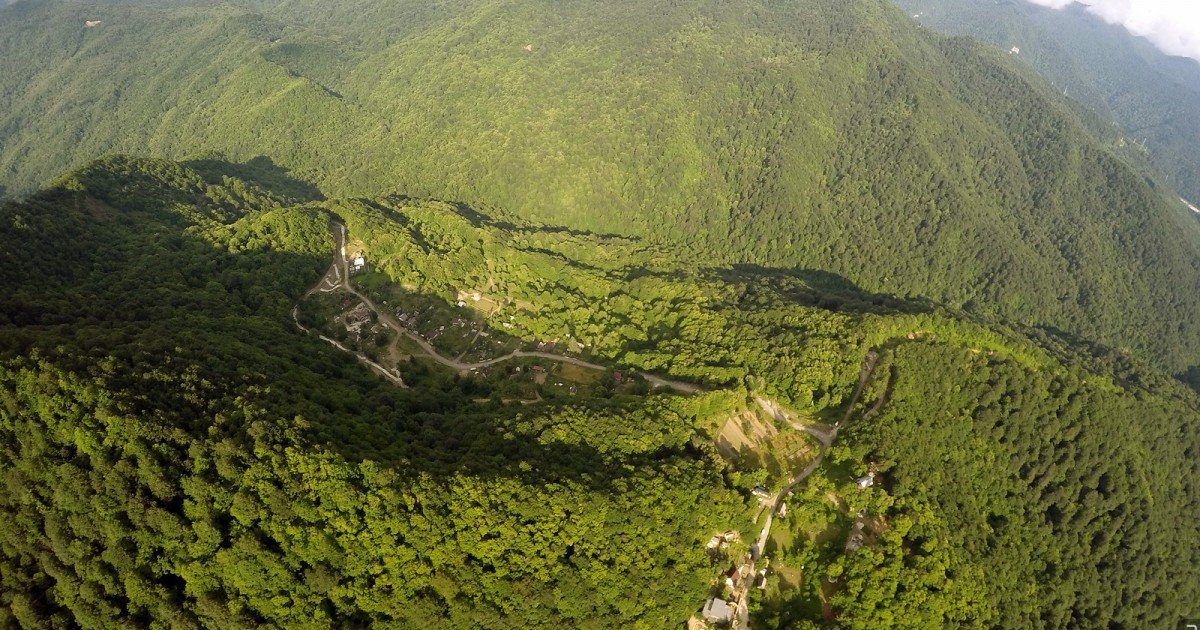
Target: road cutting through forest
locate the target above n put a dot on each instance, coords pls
(338, 276)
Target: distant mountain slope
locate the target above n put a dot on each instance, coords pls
(824, 135)
(1154, 97)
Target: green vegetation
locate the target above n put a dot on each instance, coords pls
(1155, 98)
(1004, 496)
(823, 135)
(174, 451)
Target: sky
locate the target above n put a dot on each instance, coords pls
(1173, 25)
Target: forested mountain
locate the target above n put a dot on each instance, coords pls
(176, 451)
(1154, 97)
(816, 135)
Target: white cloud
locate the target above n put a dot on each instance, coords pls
(1173, 25)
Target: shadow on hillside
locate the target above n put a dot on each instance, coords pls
(260, 170)
(820, 289)
(1126, 370)
(480, 219)
(183, 331)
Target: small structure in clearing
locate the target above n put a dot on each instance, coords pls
(856, 539)
(723, 540)
(92, 23)
(356, 318)
(866, 481)
(719, 611)
(1014, 51)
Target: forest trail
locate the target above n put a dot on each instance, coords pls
(338, 276)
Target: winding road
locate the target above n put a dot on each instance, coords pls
(338, 276)
(826, 439)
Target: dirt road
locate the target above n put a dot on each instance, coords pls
(826, 439)
(338, 276)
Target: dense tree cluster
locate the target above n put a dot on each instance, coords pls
(173, 451)
(824, 135)
(1062, 501)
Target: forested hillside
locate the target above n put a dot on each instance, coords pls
(819, 135)
(176, 451)
(1154, 97)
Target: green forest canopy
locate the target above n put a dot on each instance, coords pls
(1153, 96)
(175, 452)
(816, 135)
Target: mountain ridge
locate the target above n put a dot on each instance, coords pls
(821, 136)
(175, 449)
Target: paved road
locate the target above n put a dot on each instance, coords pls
(339, 276)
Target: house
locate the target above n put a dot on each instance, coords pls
(714, 542)
(718, 611)
(782, 509)
(1014, 51)
(461, 304)
(761, 493)
(92, 23)
(731, 536)
(866, 481)
(358, 263)
(734, 576)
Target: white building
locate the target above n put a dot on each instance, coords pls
(867, 481)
